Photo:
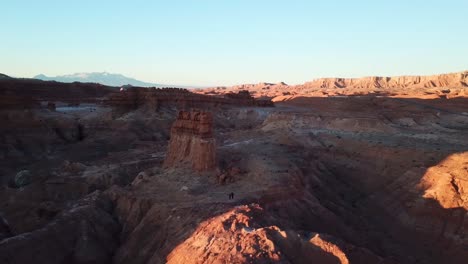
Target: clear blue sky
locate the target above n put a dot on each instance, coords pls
(214, 42)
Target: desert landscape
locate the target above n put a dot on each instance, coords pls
(335, 170)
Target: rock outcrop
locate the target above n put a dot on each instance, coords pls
(256, 241)
(86, 233)
(192, 141)
(135, 97)
(244, 97)
(447, 183)
(155, 98)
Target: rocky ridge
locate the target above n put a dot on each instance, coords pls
(154, 98)
(433, 86)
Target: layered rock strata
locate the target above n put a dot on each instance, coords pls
(155, 98)
(192, 141)
(442, 85)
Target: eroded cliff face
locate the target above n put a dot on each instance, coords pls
(447, 183)
(192, 141)
(246, 235)
(433, 86)
(454, 80)
(155, 98)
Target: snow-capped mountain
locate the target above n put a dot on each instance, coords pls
(105, 78)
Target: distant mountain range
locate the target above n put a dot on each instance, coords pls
(105, 78)
(4, 76)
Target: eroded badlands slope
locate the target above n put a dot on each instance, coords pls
(433, 86)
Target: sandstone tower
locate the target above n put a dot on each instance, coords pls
(192, 141)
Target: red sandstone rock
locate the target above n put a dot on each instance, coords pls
(192, 141)
(241, 236)
(402, 86)
(447, 183)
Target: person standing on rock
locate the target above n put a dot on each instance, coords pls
(231, 196)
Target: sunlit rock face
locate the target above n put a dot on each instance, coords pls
(244, 235)
(447, 182)
(447, 86)
(192, 141)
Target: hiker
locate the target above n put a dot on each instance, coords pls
(231, 196)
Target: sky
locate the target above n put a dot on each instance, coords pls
(221, 42)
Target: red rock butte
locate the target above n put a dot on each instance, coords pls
(192, 141)
(195, 123)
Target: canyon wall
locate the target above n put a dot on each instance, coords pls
(442, 80)
(192, 141)
(155, 98)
